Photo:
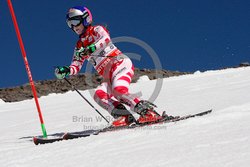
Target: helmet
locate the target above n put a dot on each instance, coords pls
(79, 15)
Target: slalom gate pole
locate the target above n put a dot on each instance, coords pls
(85, 99)
(19, 37)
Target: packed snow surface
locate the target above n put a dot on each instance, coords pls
(220, 139)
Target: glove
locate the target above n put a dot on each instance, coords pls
(80, 53)
(91, 48)
(62, 72)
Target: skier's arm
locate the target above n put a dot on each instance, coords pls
(79, 56)
(103, 39)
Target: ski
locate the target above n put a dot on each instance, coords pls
(40, 140)
(73, 135)
(63, 136)
(165, 119)
(86, 133)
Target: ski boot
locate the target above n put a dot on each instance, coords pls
(147, 113)
(122, 116)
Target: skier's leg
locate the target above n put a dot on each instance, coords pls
(105, 99)
(116, 109)
(121, 77)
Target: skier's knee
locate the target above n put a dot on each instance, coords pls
(120, 90)
(100, 94)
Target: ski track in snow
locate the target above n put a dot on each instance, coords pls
(219, 139)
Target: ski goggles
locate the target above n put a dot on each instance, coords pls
(74, 21)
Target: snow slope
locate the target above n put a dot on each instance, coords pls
(219, 139)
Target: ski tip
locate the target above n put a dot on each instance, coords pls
(208, 111)
(203, 113)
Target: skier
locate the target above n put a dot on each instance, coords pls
(117, 70)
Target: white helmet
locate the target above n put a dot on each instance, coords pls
(79, 15)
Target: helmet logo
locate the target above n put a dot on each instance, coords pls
(88, 19)
(71, 10)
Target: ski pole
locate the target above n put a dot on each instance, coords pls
(85, 99)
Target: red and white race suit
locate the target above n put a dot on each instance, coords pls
(115, 67)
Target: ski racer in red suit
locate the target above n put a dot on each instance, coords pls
(95, 45)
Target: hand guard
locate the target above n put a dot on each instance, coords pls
(62, 72)
(79, 53)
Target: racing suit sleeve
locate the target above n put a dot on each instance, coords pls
(76, 64)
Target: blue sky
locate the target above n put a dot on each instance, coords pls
(186, 35)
